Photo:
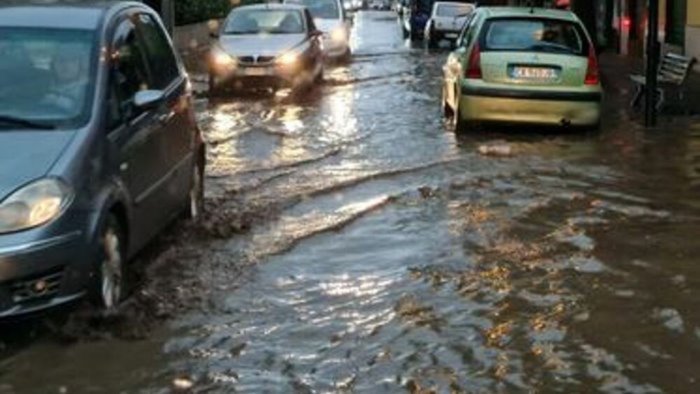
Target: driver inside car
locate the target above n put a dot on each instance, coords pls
(69, 79)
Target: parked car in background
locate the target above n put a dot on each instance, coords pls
(271, 45)
(414, 17)
(523, 65)
(99, 150)
(446, 21)
(381, 5)
(331, 19)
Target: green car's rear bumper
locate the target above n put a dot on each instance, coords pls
(531, 106)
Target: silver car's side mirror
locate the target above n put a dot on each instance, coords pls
(148, 98)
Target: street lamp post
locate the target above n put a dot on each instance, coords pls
(652, 63)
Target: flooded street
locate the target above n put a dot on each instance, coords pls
(390, 255)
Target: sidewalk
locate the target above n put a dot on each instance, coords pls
(619, 89)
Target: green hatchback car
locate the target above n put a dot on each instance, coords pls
(522, 65)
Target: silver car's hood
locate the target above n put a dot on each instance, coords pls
(28, 155)
(259, 44)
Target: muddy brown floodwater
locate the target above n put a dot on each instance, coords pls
(378, 252)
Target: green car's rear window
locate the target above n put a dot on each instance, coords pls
(534, 35)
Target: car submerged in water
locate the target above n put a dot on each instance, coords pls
(523, 65)
(99, 149)
(271, 45)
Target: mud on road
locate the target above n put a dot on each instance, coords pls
(354, 243)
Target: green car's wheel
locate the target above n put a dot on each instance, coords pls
(447, 111)
(460, 124)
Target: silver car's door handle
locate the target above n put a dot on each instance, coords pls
(124, 167)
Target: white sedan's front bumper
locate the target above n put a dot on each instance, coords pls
(335, 48)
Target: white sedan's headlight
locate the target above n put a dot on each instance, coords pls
(338, 34)
(33, 205)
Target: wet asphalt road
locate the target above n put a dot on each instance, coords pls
(394, 257)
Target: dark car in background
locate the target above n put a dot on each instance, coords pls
(414, 16)
(99, 148)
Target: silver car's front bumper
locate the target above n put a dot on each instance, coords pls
(41, 274)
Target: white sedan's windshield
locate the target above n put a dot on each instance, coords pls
(45, 75)
(262, 21)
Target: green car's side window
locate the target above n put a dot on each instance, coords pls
(469, 30)
(465, 29)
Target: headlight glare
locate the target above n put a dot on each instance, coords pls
(34, 205)
(288, 59)
(338, 34)
(222, 60)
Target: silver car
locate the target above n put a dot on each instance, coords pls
(266, 45)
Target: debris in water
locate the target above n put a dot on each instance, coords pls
(182, 383)
(496, 149)
(427, 191)
(671, 319)
(238, 349)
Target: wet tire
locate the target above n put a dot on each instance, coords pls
(347, 57)
(432, 40)
(195, 198)
(319, 77)
(460, 124)
(447, 111)
(213, 86)
(109, 283)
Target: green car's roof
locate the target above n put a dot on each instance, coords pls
(496, 12)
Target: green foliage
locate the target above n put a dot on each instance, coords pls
(193, 11)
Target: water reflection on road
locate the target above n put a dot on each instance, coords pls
(401, 259)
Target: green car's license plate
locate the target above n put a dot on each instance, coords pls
(538, 73)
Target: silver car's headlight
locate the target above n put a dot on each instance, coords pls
(221, 59)
(33, 205)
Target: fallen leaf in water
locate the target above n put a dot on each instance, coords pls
(182, 384)
(496, 150)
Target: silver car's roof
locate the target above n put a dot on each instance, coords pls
(61, 14)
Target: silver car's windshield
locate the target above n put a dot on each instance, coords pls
(45, 77)
(535, 35)
(322, 9)
(262, 21)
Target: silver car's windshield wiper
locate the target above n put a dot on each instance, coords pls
(24, 123)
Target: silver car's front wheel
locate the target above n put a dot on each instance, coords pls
(110, 270)
(196, 194)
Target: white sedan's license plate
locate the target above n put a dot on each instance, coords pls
(451, 35)
(540, 73)
(255, 71)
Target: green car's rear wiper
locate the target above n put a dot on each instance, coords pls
(25, 123)
(550, 48)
